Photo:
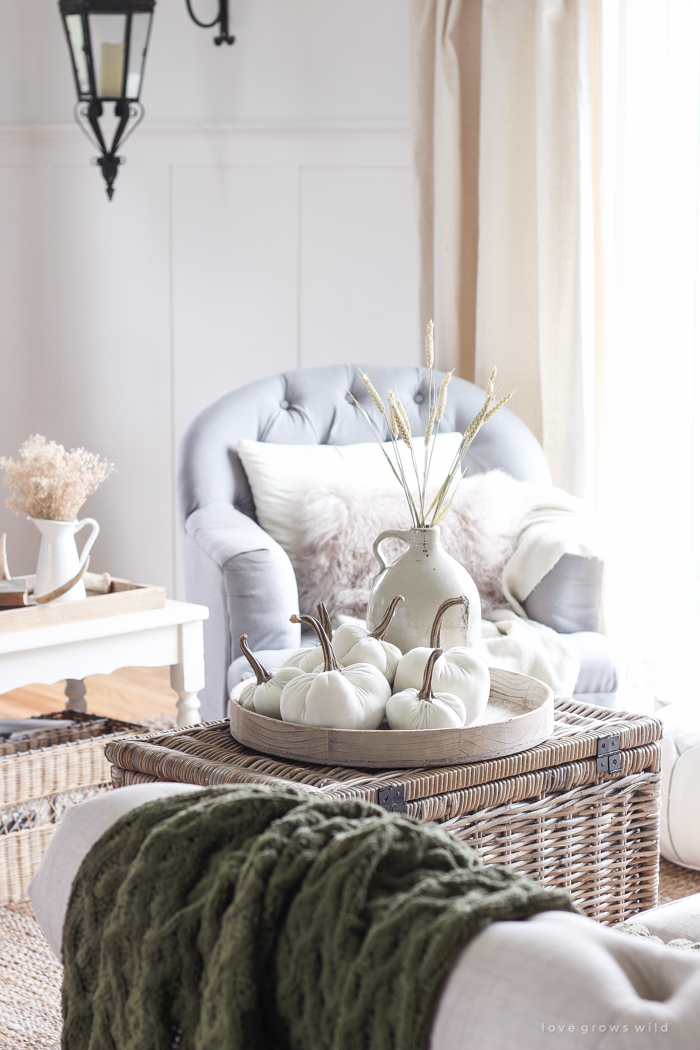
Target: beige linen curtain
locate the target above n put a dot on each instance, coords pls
(446, 81)
(505, 133)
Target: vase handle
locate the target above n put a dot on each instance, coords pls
(91, 538)
(399, 534)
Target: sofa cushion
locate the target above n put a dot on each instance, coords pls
(680, 791)
(675, 920)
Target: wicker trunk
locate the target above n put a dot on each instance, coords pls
(40, 777)
(580, 811)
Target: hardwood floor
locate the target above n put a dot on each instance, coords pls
(133, 694)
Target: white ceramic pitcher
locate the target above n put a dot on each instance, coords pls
(58, 556)
(426, 575)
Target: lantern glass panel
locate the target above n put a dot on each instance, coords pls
(74, 25)
(140, 24)
(108, 40)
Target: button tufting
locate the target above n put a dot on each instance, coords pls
(419, 399)
(284, 404)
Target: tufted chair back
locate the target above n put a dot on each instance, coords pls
(230, 564)
(312, 406)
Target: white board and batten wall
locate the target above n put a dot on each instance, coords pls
(265, 220)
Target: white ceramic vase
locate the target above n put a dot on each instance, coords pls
(58, 556)
(426, 575)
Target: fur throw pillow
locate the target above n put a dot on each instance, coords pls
(333, 557)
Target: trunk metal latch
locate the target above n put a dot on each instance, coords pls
(392, 798)
(608, 758)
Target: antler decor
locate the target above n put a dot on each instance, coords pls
(42, 599)
(4, 569)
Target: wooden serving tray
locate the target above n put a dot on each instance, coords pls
(124, 597)
(520, 715)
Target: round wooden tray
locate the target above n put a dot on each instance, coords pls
(520, 714)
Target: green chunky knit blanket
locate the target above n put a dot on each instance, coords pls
(249, 918)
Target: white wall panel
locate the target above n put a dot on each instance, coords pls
(359, 278)
(235, 249)
(20, 371)
(228, 253)
(112, 339)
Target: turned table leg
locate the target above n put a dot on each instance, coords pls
(75, 694)
(187, 676)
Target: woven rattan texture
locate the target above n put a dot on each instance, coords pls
(210, 752)
(599, 842)
(48, 809)
(22, 850)
(84, 726)
(547, 812)
(39, 778)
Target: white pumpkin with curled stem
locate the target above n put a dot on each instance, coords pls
(460, 670)
(424, 709)
(335, 697)
(311, 657)
(263, 695)
(353, 644)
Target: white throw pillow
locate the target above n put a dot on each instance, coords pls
(280, 476)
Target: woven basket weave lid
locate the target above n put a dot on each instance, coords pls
(207, 754)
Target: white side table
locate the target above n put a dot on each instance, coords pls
(171, 635)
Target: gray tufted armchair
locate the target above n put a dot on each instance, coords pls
(245, 577)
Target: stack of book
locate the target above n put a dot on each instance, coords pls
(14, 593)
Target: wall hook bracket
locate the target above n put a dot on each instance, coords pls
(221, 20)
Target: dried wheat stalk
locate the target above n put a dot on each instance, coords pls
(400, 427)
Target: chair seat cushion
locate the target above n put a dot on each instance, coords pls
(599, 677)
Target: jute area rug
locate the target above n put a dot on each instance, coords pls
(30, 983)
(30, 975)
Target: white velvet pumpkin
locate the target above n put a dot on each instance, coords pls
(353, 644)
(308, 659)
(459, 671)
(262, 694)
(351, 697)
(424, 709)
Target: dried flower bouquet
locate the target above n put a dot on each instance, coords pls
(400, 430)
(49, 483)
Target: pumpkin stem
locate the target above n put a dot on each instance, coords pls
(325, 620)
(260, 673)
(426, 692)
(329, 661)
(384, 624)
(437, 622)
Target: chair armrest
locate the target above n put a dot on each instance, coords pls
(570, 597)
(247, 581)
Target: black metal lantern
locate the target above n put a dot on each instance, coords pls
(221, 20)
(108, 40)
